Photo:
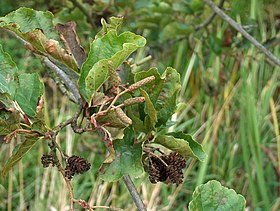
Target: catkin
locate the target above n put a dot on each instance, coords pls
(122, 116)
(134, 100)
(141, 83)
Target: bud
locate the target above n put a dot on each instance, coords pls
(134, 100)
(141, 83)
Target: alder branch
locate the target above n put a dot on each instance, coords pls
(134, 193)
(67, 81)
(239, 28)
(60, 73)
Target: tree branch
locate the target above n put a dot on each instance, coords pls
(134, 193)
(67, 81)
(62, 74)
(239, 28)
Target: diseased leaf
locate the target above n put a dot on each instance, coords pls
(28, 92)
(110, 49)
(26, 145)
(71, 41)
(127, 159)
(7, 71)
(213, 196)
(37, 29)
(9, 121)
(183, 144)
(97, 76)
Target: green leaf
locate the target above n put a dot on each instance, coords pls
(127, 159)
(109, 48)
(138, 124)
(6, 100)
(162, 91)
(18, 155)
(167, 100)
(9, 121)
(213, 196)
(28, 92)
(114, 24)
(182, 143)
(7, 71)
(37, 29)
(151, 118)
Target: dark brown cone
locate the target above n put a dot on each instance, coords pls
(77, 164)
(175, 166)
(47, 160)
(68, 173)
(167, 168)
(157, 170)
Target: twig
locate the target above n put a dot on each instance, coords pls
(67, 81)
(210, 19)
(70, 190)
(134, 193)
(239, 28)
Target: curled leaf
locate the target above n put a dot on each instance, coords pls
(106, 52)
(37, 29)
(182, 143)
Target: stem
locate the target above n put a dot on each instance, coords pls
(67, 81)
(134, 193)
(239, 28)
(70, 190)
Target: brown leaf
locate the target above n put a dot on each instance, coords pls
(71, 41)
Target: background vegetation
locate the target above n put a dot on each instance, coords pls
(230, 88)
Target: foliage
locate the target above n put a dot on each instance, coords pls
(229, 92)
(108, 51)
(213, 196)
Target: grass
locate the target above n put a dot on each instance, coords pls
(237, 121)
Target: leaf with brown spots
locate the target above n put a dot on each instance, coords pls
(71, 41)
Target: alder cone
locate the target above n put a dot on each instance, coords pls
(47, 160)
(174, 169)
(77, 164)
(167, 168)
